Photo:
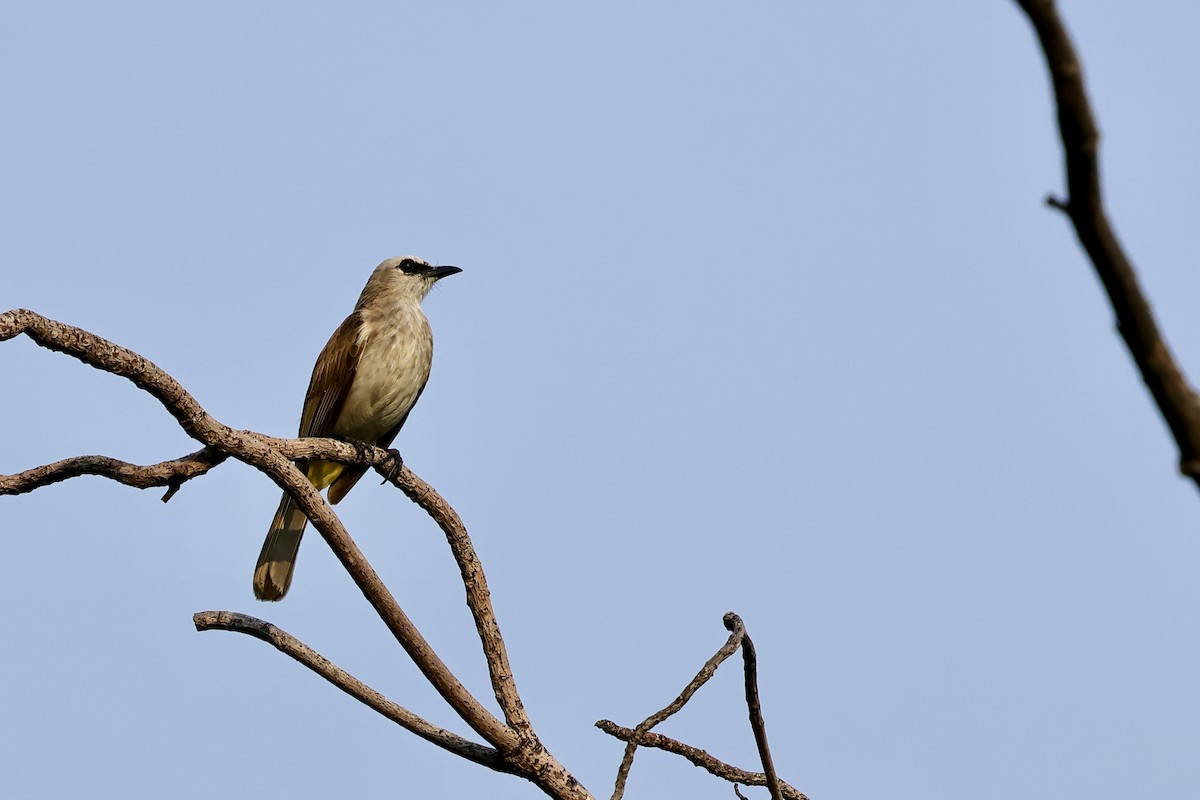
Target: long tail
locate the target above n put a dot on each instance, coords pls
(273, 574)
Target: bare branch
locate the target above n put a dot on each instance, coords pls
(710, 667)
(698, 757)
(641, 735)
(102, 354)
(516, 748)
(1175, 397)
(750, 660)
(479, 599)
(517, 744)
(178, 471)
(293, 647)
(519, 747)
(263, 452)
(166, 473)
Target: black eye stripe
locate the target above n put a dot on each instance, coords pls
(409, 266)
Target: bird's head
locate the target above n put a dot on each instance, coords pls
(404, 277)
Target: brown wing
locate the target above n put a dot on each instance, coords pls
(331, 378)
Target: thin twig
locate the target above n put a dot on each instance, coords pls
(698, 757)
(757, 724)
(298, 650)
(710, 667)
(1176, 398)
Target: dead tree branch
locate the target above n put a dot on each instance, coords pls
(290, 646)
(641, 735)
(171, 473)
(729, 648)
(479, 599)
(1084, 205)
(514, 747)
(754, 705)
(514, 741)
(699, 757)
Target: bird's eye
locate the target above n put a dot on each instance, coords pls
(408, 266)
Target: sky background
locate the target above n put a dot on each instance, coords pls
(761, 311)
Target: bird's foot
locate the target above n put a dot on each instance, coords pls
(396, 467)
(362, 449)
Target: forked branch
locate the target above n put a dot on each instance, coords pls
(700, 758)
(515, 748)
(513, 741)
(642, 735)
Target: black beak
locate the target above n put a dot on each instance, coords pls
(437, 273)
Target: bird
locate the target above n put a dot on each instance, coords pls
(365, 382)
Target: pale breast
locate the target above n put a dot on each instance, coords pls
(397, 351)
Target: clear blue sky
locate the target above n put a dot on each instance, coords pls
(761, 311)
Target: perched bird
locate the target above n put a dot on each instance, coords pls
(363, 385)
